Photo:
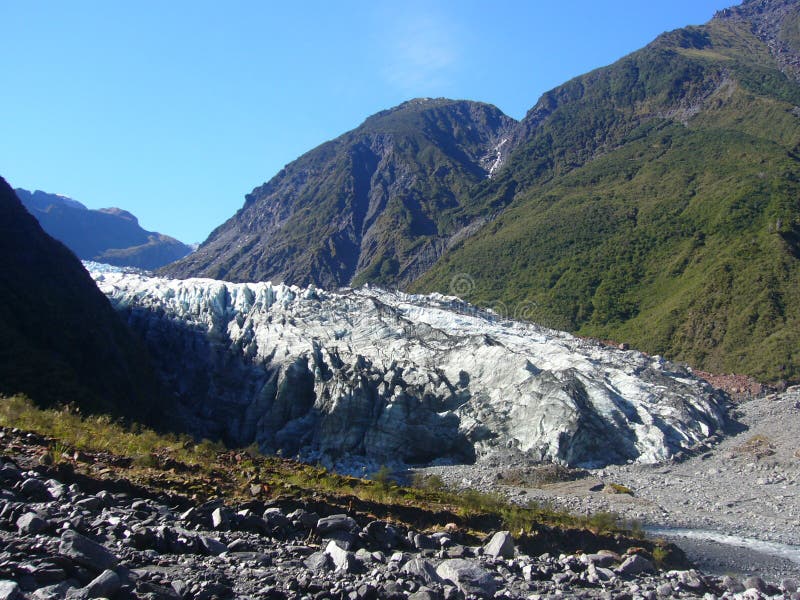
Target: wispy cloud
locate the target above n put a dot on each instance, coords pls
(421, 52)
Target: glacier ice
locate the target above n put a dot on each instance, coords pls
(394, 377)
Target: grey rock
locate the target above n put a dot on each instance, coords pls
(423, 542)
(318, 562)
(92, 503)
(9, 590)
(691, 581)
(30, 524)
(425, 594)
(53, 592)
(468, 576)
(635, 564)
(528, 572)
(600, 559)
(104, 585)
(383, 534)
(755, 583)
(211, 545)
(340, 522)
(240, 545)
(665, 590)
(600, 573)
(9, 472)
(732, 584)
(789, 585)
(85, 552)
(421, 569)
(275, 518)
(343, 560)
(501, 545)
(220, 518)
(306, 519)
(35, 489)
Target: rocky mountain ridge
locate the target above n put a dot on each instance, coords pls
(107, 235)
(385, 377)
(378, 203)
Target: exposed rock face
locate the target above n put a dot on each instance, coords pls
(396, 377)
(108, 235)
(378, 204)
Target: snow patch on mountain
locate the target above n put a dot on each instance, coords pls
(394, 377)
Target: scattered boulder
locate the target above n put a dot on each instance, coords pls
(9, 590)
(85, 552)
(468, 576)
(501, 545)
(422, 569)
(635, 564)
(104, 585)
(30, 524)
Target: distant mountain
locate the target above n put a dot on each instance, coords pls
(61, 340)
(380, 203)
(655, 201)
(108, 235)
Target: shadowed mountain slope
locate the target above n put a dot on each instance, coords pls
(61, 340)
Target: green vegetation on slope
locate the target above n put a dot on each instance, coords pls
(659, 204)
(177, 465)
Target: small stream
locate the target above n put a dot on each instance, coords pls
(776, 549)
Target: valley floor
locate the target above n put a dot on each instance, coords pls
(734, 507)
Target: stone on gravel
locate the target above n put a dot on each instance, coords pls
(334, 523)
(343, 560)
(30, 524)
(35, 489)
(468, 576)
(85, 552)
(501, 545)
(421, 569)
(732, 584)
(9, 590)
(9, 473)
(424, 594)
(104, 585)
(211, 545)
(635, 564)
(317, 562)
(755, 583)
(600, 559)
(220, 518)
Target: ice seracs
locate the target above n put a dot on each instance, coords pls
(392, 377)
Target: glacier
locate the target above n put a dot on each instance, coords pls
(395, 378)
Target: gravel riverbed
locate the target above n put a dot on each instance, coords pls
(745, 487)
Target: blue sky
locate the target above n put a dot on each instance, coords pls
(175, 110)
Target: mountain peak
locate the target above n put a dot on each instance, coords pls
(379, 203)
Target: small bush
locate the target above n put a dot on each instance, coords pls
(603, 522)
(382, 477)
(759, 446)
(428, 483)
(660, 556)
(617, 488)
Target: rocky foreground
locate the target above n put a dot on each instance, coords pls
(734, 505)
(82, 540)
